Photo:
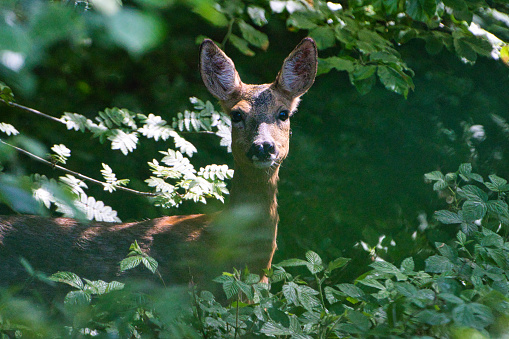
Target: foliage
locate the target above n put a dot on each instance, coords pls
(463, 291)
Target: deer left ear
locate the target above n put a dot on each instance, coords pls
(299, 69)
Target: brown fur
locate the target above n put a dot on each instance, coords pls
(187, 247)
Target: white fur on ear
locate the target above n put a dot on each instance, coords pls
(218, 71)
(299, 69)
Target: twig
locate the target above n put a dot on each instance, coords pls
(79, 175)
(31, 110)
(228, 33)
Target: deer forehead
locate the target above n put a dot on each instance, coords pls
(262, 100)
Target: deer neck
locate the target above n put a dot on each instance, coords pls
(256, 189)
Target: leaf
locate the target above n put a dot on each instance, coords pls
(253, 36)
(292, 262)
(498, 207)
(434, 176)
(6, 93)
(332, 295)
(438, 264)
(394, 80)
(241, 45)
(323, 36)
(432, 317)
(68, 278)
(77, 298)
(130, 263)
(257, 14)
(473, 315)
(497, 184)
(134, 30)
(314, 262)
(150, 263)
(407, 265)
(290, 293)
(473, 193)
(125, 142)
(448, 217)
(337, 263)
(340, 64)
(351, 290)
(474, 210)
(421, 10)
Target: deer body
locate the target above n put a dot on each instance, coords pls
(244, 234)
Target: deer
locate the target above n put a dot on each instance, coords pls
(187, 246)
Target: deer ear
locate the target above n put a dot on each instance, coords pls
(218, 71)
(299, 69)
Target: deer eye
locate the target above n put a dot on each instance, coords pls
(236, 116)
(283, 115)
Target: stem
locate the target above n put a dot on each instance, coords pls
(78, 175)
(228, 33)
(31, 110)
(319, 283)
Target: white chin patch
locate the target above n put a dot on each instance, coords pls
(263, 164)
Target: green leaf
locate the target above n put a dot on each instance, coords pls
(448, 217)
(497, 184)
(292, 262)
(332, 295)
(407, 265)
(498, 207)
(68, 278)
(351, 290)
(338, 63)
(253, 36)
(323, 36)
(77, 298)
(391, 6)
(474, 210)
(241, 45)
(306, 296)
(473, 193)
(421, 10)
(394, 80)
(438, 264)
(434, 176)
(150, 263)
(136, 31)
(130, 262)
(337, 263)
(6, 93)
(290, 293)
(473, 315)
(432, 317)
(314, 262)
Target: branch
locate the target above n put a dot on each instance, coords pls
(81, 176)
(31, 110)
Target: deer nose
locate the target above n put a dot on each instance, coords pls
(262, 151)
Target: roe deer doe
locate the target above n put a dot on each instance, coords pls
(187, 246)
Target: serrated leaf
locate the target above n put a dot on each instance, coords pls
(130, 262)
(8, 129)
(290, 293)
(77, 298)
(432, 317)
(68, 278)
(407, 265)
(474, 210)
(314, 262)
(498, 207)
(150, 263)
(473, 315)
(434, 176)
(421, 10)
(292, 262)
(351, 290)
(448, 217)
(438, 264)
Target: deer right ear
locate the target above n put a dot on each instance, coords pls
(299, 69)
(218, 71)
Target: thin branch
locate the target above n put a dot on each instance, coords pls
(78, 175)
(31, 110)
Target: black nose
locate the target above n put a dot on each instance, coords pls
(261, 151)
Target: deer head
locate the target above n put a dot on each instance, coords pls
(260, 114)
